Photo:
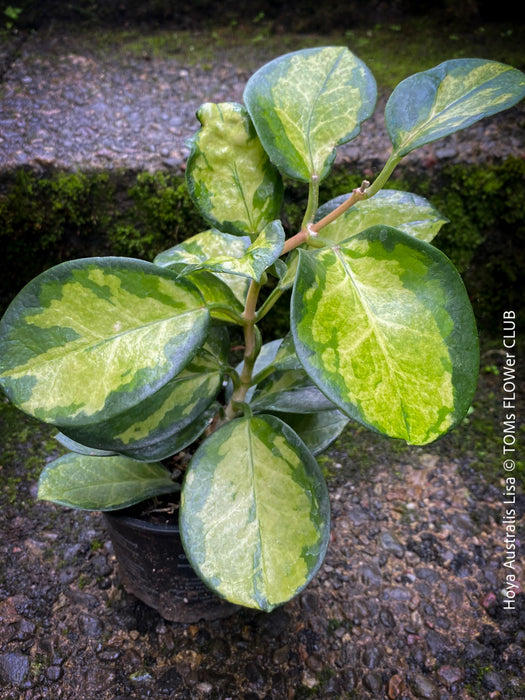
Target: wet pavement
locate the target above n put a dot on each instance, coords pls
(74, 100)
(408, 604)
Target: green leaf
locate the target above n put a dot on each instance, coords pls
(228, 173)
(407, 212)
(262, 253)
(281, 384)
(453, 95)
(383, 325)
(218, 344)
(201, 248)
(276, 355)
(255, 512)
(75, 446)
(289, 391)
(221, 291)
(287, 279)
(102, 483)
(224, 289)
(89, 339)
(305, 104)
(316, 430)
(152, 429)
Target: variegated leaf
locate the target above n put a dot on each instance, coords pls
(316, 430)
(289, 391)
(383, 325)
(262, 253)
(228, 173)
(453, 95)
(151, 430)
(92, 338)
(277, 355)
(201, 247)
(255, 512)
(172, 443)
(307, 103)
(74, 446)
(221, 291)
(405, 211)
(224, 289)
(102, 483)
(287, 279)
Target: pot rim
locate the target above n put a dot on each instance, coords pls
(140, 524)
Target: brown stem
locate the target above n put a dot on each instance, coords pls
(357, 195)
(302, 237)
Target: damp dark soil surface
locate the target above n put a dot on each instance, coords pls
(416, 597)
(413, 600)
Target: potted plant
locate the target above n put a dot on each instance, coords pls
(130, 359)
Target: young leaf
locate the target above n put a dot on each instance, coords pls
(150, 430)
(201, 247)
(255, 512)
(407, 212)
(89, 339)
(228, 173)
(305, 104)
(276, 355)
(292, 391)
(224, 289)
(287, 279)
(262, 253)
(316, 430)
(453, 95)
(102, 483)
(221, 291)
(383, 325)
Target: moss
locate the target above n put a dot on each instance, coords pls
(39, 664)
(160, 214)
(46, 219)
(26, 447)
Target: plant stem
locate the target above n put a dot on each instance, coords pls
(308, 233)
(251, 350)
(383, 176)
(357, 195)
(310, 230)
(273, 297)
(313, 201)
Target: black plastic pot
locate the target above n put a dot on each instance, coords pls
(154, 568)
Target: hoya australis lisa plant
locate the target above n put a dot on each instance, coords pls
(130, 359)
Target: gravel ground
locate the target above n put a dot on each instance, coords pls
(70, 102)
(410, 601)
